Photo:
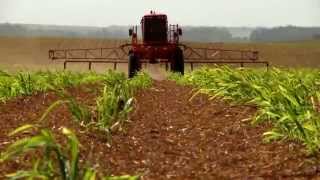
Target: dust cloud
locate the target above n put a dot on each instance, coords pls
(156, 71)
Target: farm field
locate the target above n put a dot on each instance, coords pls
(212, 123)
(186, 129)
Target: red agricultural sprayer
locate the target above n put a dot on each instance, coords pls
(160, 44)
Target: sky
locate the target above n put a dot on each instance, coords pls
(252, 13)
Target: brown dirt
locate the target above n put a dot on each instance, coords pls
(171, 137)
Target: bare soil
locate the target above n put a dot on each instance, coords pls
(169, 136)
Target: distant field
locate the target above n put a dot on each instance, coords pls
(288, 54)
(292, 54)
(32, 53)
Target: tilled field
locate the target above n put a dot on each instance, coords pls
(170, 136)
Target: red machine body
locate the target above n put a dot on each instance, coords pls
(159, 40)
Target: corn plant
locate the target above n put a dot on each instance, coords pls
(115, 103)
(26, 83)
(113, 106)
(80, 112)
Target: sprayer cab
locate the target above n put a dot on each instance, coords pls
(156, 30)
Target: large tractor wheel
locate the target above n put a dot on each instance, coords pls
(177, 61)
(133, 65)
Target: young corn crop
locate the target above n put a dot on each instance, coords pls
(57, 161)
(25, 83)
(62, 161)
(288, 98)
(112, 106)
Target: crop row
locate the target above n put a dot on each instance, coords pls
(26, 83)
(288, 98)
(61, 161)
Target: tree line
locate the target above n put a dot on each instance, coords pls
(190, 33)
(287, 33)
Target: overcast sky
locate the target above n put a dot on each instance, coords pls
(184, 12)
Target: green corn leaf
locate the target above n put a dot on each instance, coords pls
(21, 129)
(90, 174)
(272, 136)
(74, 146)
(51, 108)
(26, 175)
(24, 145)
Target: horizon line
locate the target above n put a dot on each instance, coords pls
(119, 25)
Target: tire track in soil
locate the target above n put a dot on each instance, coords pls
(169, 137)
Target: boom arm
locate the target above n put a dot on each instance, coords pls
(121, 52)
(192, 56)
(118, 53)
